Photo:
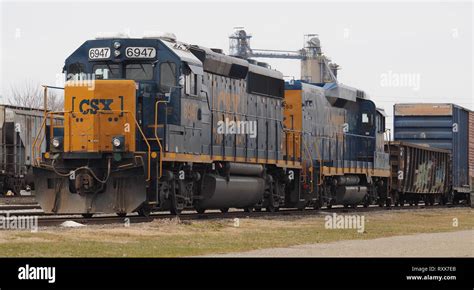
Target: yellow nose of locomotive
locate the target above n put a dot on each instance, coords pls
(100, 117)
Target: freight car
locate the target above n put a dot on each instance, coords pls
(168, 126)
(418, 173)
(18, 128)
(444, 126)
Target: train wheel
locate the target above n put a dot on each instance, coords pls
(317, 204)
(258, 209)
(354, 206)
(301, 208)
(388, 202)
(144, 211)
(201, 210)
(176, 207)
(346, 206)
(121, 214)
(175, 211)
(87, 215)
(225, 210)
(271, 208)
(366, 201)
(248, 209)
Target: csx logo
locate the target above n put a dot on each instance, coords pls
(93, 105)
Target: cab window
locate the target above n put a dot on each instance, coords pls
(139, 71)
(167, 76)
(365, 118)
(106, 71)
(76, 71)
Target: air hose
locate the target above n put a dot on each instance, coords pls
(85, 168)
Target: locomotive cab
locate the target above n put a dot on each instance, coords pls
(101, 159)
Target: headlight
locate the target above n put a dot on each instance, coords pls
(117, 53)
(117, 45)
(116, 142)
(56, 143)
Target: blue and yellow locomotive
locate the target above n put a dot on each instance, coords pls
(156, 124)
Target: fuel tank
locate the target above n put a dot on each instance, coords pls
(237, 192)
(347, 180)
(350, 194)
(245, 169)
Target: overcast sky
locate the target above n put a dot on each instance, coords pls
(395, 51)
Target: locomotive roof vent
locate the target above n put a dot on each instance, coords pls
(252, 61)
(217, 50)
(113, 35)
(168, 36)
(263, 64)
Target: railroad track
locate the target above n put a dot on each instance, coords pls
(27, 206)
(19, 205)
(17, 200)
(47, 221)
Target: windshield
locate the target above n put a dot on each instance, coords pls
(139, 71)
(76, 72)
(106, 71)
(167, 76)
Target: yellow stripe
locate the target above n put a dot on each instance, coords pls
(330, 171)
(183, 157)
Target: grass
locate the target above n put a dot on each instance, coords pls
(172, 238)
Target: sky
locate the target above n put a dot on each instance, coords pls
(394, 51)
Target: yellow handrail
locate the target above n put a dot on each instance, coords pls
(293, 134)
(33, 146)
(147, 144)
(99, 111)
(141, 132)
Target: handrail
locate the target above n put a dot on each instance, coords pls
(311, 164)
(37, 147)
(43, 125)
(141, 132)
(157, 138)
(147, 144)
(320, 164)
(33, 146)
(293, 133)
